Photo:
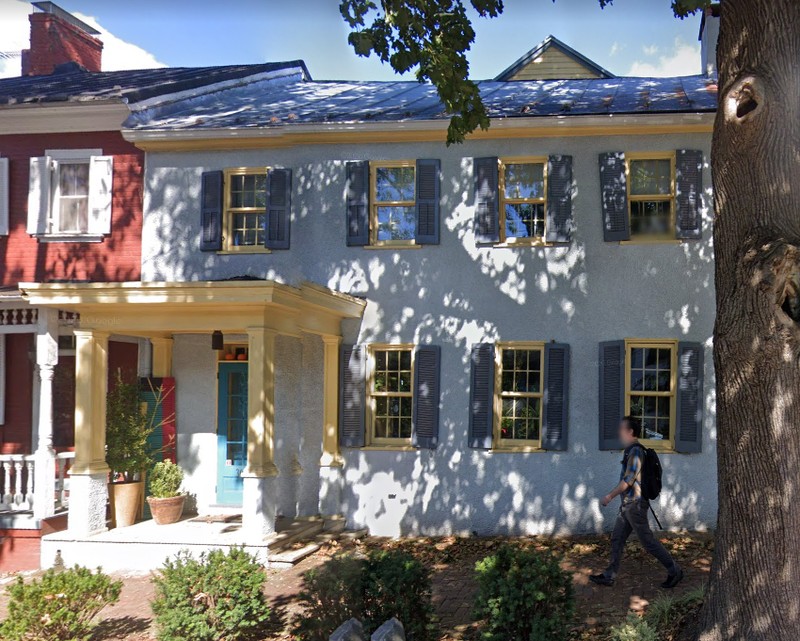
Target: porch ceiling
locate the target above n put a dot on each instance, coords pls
(155, 309)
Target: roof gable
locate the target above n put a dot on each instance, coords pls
(553, 60)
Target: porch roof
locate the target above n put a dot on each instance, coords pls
(161, 309)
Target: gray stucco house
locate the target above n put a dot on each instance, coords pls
(430, 339)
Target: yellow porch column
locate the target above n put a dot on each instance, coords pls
(89, 473)
(162, 357)
(331, 456)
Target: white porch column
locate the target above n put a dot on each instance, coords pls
(259, 487)
(44, 500)
(89, 473)
(331, 471)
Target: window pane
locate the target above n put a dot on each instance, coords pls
(525, 220)
(73, 179)
(520, 419)
(73, 214)
(650, 217)
(524, 180)
(651, 177)
(248, 190)
(397, 223)
(393, 184)
(248, 229)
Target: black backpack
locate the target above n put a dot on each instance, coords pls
(651, 476)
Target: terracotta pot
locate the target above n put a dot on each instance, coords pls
(166, 511)
(126, 502)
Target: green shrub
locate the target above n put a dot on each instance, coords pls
(372, 589)
(165, 480)
(216, 596)
(396, 584)
(634, 629)
(128, 429)
(667, 614)
(331, 595)
(59, 606)
(524, 595)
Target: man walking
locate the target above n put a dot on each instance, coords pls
(634, 512)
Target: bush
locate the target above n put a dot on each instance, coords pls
(59, 606)
(524, 595)
(128, 429)
(216, 596)
(165, 480)
(372, 589)
(634, 629)
(669, 614)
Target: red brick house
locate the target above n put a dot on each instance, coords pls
(70, 211)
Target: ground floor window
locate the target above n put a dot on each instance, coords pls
(391, 397)
(650, 388)
(519, 393)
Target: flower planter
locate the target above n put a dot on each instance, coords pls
(166, 511)
(126, 502)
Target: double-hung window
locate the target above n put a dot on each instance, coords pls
(390, 390)
(393, 216)
(523, 199)
(71, 201)
(245, 209)
(650, 388)
(519, 391)
(651, 195)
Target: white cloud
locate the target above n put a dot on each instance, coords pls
(616, 47)
(15, 32)
(650, 50)
(684, 60)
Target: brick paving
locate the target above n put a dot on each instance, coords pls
(452, 561)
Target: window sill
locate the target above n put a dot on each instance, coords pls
(404, 246)
(651, 241)
(234, 252)
(523, 244)
(389, 448)
(516, 450)
(69, 238)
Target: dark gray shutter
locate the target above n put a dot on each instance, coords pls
(614, 197)
(688, 189)
(556, 396)
(211, 211)
(481, 396)
(352, 395)
(279, 209)
(428, 185)
(487, 197)
(612, 392)
(689, 406)
(425, 424)
(357, 203)
(560, 219)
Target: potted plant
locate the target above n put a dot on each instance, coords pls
(128, 453)
(166, 500)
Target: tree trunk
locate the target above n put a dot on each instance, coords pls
(755, 579)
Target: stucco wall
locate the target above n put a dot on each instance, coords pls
(457, 294)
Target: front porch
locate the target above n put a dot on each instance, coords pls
(275, 324)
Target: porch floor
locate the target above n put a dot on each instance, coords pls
(144, 546)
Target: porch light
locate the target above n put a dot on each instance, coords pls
(217, 340)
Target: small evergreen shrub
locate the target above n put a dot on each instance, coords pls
(332, 594)
(165, 480)
(372, 589)
(633, 629)
(524, 595)
(59, 606)
(216, 596)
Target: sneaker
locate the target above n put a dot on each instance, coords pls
(673, 580)
(601, 579)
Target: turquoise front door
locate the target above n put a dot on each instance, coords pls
(231, 432)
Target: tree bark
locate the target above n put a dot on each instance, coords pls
(754, 590)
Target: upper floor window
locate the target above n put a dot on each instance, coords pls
(652, 196)
(650, 388)
(519, 393)
(392, 203)
(523, 199)
(69, 196)
(245, 208)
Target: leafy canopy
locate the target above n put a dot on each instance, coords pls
(433, 37)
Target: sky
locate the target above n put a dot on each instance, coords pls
(632, 37)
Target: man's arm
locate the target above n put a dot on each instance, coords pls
(620, 489)
(628, 478)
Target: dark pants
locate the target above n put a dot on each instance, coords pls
(633, 517)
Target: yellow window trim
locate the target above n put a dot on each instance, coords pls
(662, 445)
(373, 442)
(654, 155)
(538, 241)
(228, 211)
(514, 445)
(374, 203)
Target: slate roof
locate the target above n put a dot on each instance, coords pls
(72, 83)
(538, 50)
(282, 102)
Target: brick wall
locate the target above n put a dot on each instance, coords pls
(117, 258)
(55, 42)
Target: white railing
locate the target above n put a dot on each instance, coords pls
(17, 491)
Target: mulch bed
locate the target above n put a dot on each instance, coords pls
(452, 561)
